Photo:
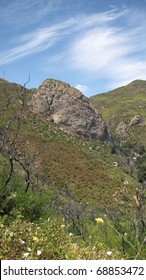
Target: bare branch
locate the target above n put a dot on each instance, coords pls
(27, 81)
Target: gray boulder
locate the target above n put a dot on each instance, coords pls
(69, 108)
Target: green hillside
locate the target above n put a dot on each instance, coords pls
(121, 105)
(46, 173)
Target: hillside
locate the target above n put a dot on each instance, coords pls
(121, 105)
(124, 110)
(77, 162)
(50, 171)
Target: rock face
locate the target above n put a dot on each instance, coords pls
(121, 129)
(69, 108)
(135, 120)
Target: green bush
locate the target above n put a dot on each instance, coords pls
(141, 175)
(7, 198)
(32, 205)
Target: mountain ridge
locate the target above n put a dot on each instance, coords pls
(134, 83)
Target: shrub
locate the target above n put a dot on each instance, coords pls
(141, 175)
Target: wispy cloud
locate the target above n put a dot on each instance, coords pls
(112, 51)
(109, 44)
(34, 42)
(125, 71)
(85, 22)
(23, 13)
(15, 10)
(83, 88)
(39, 41)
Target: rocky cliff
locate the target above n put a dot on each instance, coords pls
(69, 108)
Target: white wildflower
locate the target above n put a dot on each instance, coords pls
(39, 252)
(74, 244)
(25, 255)
(13, 195)
(71, 234)
(29, 249)
(62, 226)
(22, 241)
(108, 253)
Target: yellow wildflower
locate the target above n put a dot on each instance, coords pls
(35, 238)
(99, 221)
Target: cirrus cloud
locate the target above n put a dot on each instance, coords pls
(107, 45)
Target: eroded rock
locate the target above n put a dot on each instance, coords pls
(68, 107)
(135, 120)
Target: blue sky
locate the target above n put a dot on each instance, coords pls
(94, 45)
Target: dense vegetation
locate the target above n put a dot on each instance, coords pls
(53, 187)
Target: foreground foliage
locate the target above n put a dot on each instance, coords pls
(55, 238)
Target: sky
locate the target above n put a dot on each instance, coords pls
(95, 45)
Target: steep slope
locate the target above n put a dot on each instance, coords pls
(122, 105)
(124, 110)
(63, 195)
(86, 169)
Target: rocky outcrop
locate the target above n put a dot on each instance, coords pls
(69, 108)
(121, 129)
(135, 120)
